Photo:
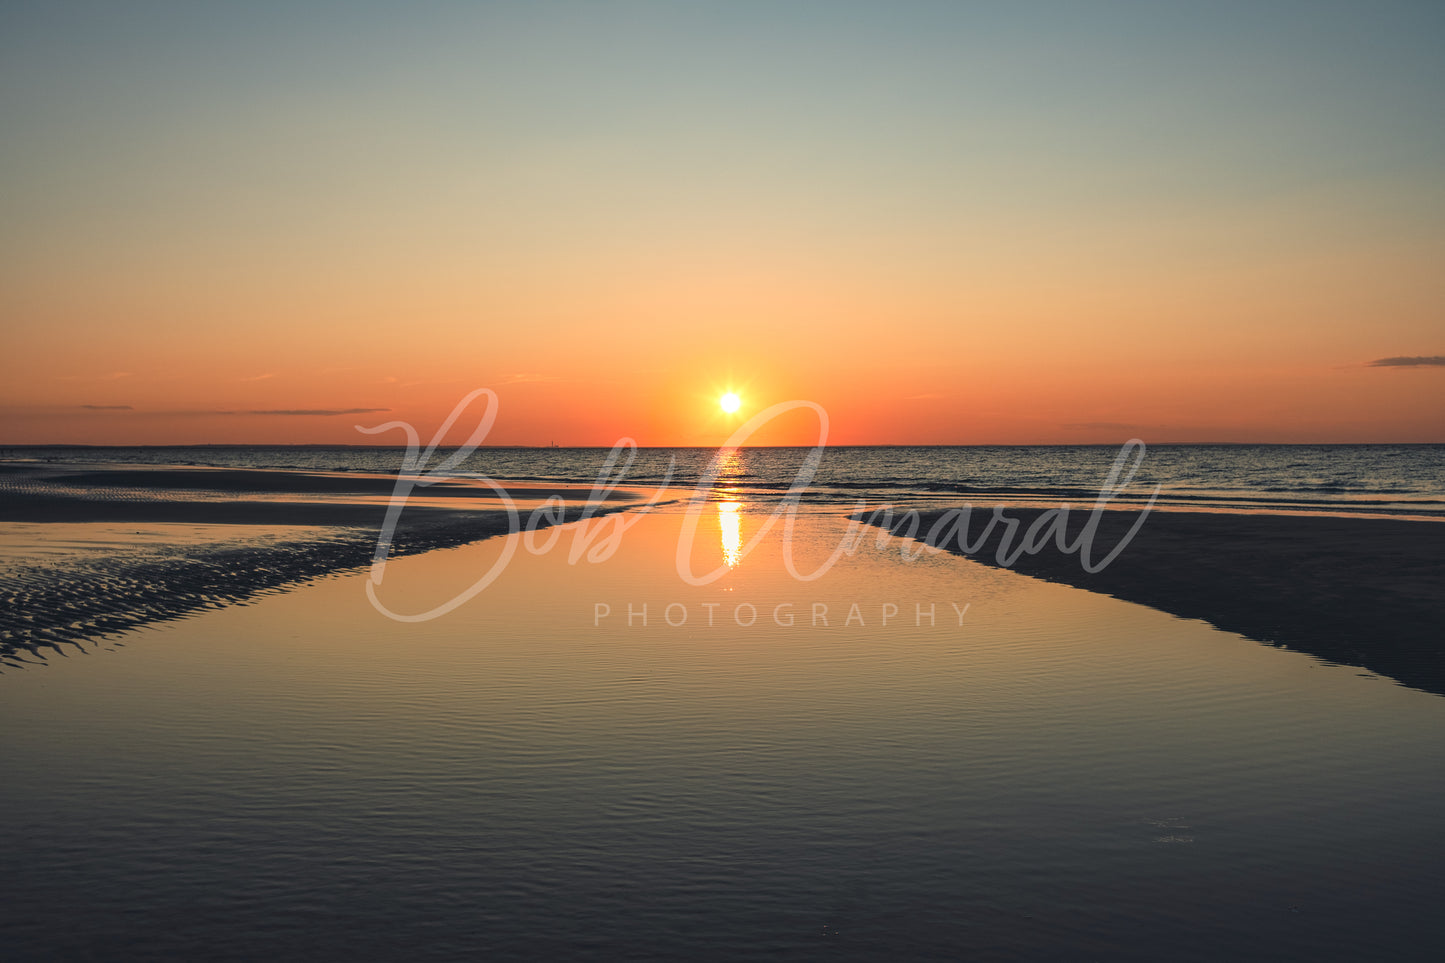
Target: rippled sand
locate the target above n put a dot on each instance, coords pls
(87, 552)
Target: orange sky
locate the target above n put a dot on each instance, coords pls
(956, 226)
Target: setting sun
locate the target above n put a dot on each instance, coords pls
(730, 402)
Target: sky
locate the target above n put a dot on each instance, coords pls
(944, 223)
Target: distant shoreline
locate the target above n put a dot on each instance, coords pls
(234, 496)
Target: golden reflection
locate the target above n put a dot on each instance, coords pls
(729, 464)
(730, 527)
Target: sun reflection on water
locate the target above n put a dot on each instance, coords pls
(729, 464)
(730, 527)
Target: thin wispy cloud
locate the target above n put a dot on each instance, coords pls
(428, 384)
(111, 376)
(260, 377)
(268, 412)
(529, 377)
(308, 412)
(1433, 361)
(107, 407)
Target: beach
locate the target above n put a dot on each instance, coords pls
(928, 758)
(1354, 590)
(487, 482)
(1359, 591)
(99, 549)
(914, 754)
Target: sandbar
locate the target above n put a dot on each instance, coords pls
(1367, 592)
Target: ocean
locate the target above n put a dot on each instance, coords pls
(1359, 479)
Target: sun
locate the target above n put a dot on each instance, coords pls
(730, 402)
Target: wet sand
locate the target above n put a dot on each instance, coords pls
(1364, 592)
(284, 528)
(1357, 591)
(32, 493)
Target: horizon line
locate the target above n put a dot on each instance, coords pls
(546, 447)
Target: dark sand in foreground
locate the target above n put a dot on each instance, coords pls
(1357, 591)
(60, 606)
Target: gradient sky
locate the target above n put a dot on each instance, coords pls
(944, 222)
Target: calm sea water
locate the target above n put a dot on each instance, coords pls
(1388, 479)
